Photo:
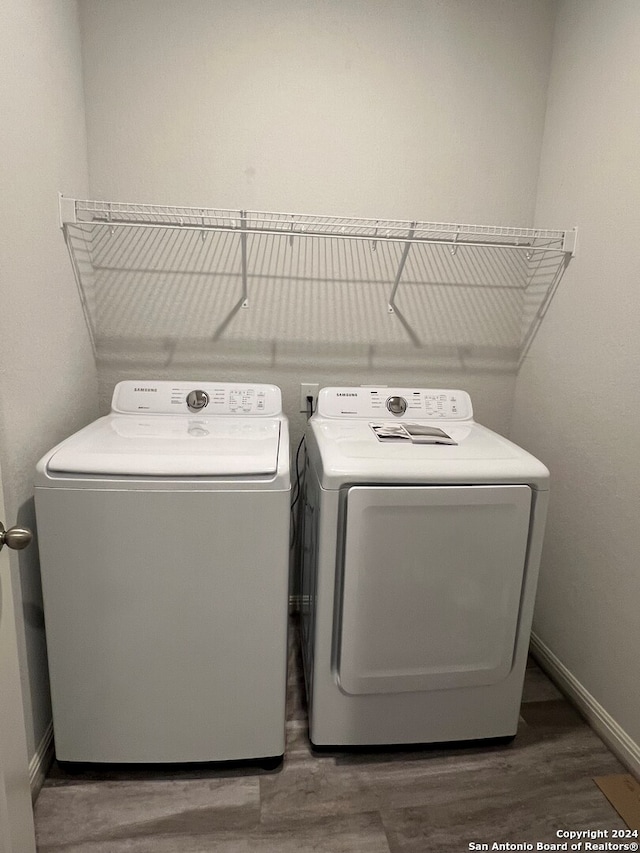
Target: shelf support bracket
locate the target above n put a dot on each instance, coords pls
(570, 241)
(243, 251)
(403, 260)
(374, 242)
(67, 210)
(454, 249)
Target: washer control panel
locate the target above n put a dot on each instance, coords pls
(205, 398)
(398, 403)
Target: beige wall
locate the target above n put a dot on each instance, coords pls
(412, 110)
(352, 107)
(577, 397)
(48, 384)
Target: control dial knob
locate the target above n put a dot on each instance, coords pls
(197, 400)
(397, 405)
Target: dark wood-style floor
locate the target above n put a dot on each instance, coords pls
(436, 800)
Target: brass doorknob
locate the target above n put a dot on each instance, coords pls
(15, 538)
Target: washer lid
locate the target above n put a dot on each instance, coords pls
(168, 446)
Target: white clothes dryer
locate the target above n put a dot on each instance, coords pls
(164, 542)
(421, 541)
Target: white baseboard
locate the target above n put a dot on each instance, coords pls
(615, 737)
(41, 762)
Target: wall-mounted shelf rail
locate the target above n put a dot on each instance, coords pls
(461, 256)
(114, 214)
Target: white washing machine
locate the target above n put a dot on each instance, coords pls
(421, 541)
(164, 542)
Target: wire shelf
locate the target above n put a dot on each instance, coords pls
(116, 247)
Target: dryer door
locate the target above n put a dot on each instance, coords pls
(431, 585)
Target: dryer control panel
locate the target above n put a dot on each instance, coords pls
(205, 398)
(395, 403)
